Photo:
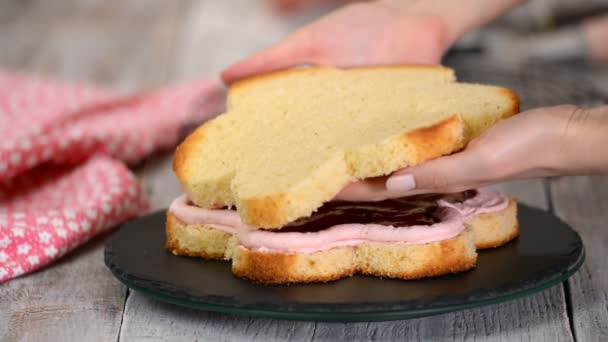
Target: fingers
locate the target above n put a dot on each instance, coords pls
(294, 50)
(372, 189)
(454, 173)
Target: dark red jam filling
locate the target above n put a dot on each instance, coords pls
(399, 212)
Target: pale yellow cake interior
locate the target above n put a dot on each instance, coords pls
(289, 142)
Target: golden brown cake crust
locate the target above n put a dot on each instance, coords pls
(442, 138)
(379, 259)
(429, 260)
(500, 242)
(488, 230)
(239, 85)
(269, 212)
(281, 268)
(194, 240)
(515, 102)
(277, 207)
(495, 229)
(186, 147)
(430, 142)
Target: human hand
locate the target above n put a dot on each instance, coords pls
(372, 33)
(542, 142)
(375, 33)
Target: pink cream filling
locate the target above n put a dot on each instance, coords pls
(453, 216)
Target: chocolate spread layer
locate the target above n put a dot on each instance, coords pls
(399, 212)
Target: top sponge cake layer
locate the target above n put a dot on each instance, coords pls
(291, 140)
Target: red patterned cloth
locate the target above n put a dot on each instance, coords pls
(62, 148)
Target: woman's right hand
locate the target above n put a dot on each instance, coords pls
(543, 142)
(371, 33)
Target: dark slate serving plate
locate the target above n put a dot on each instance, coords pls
(547, 252)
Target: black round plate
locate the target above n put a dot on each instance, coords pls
(547, 252)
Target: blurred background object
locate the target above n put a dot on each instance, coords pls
(547, 30)
(539, 30)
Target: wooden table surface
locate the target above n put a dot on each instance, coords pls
(143, 44)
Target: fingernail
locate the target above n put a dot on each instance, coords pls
(400, 183)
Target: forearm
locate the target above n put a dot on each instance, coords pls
(459, 17)
(582, 141)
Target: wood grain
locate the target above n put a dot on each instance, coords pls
(583, 202)
(151, 320)
(535, 318)
(77, 299)
(124, 44)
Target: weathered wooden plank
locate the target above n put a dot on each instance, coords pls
(151, 320)
(125, 44)
(537, 318)
(583, 202)
(533, 318)
(76, 299)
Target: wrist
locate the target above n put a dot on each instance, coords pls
(580, 140)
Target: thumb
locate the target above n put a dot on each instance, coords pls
(454, 173)
(290, 52)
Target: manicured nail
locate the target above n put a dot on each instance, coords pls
(401, 183)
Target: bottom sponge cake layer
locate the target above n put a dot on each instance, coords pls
(392, 260)
(385, 260)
